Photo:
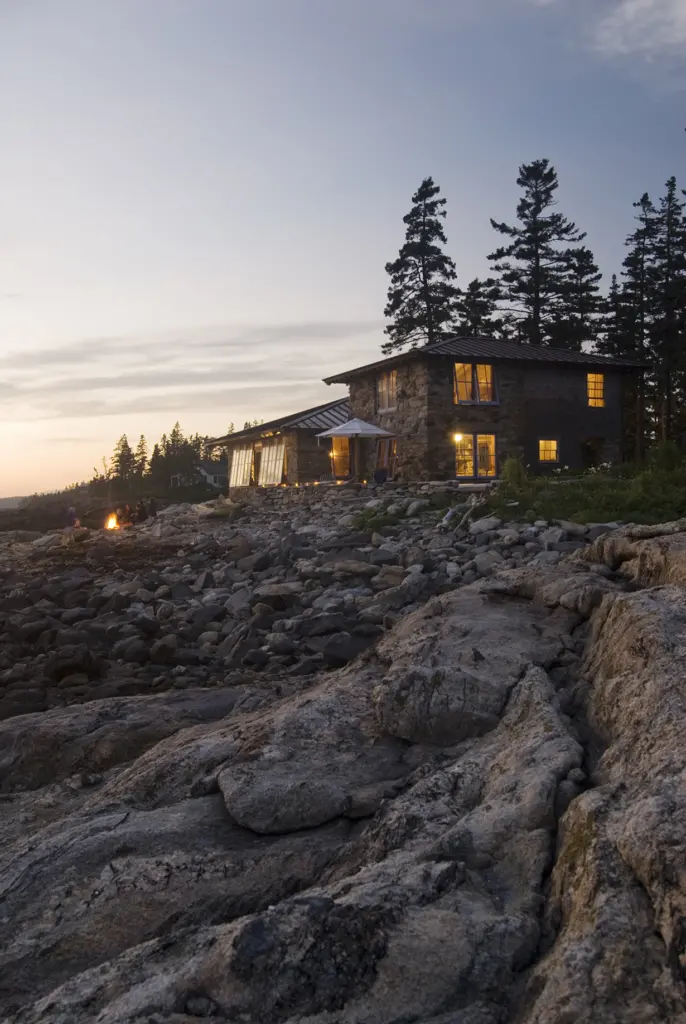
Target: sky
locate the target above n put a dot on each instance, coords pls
(198, 197)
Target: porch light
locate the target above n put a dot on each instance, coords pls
(457, 438)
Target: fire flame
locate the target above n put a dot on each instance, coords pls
(112, 523)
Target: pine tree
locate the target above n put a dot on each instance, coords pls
(123, 460)
(667, 332)
(175, 441)
(615, 335)
(577, 316)
(421, 296)
(156, 464)
(476, 308)
(532, 267)
(141, 456)
(639, 278)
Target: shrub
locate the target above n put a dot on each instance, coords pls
(514, 473)
(666, 456)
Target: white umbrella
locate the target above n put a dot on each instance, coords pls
(356, 428)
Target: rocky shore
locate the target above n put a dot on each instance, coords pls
(338, 758)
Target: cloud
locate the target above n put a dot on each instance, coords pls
(234, 342)
(650, 28)
(265, 396)
(204, 370)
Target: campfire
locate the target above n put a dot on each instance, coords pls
(112, 523)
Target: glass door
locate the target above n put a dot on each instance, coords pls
(475, 456)
(464, 456)
(485, 447)
(340, 456)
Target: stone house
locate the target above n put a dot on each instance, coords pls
(286, 450)
(460, 407)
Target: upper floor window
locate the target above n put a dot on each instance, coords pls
(595, 389)
(386, 391)
(473, 383)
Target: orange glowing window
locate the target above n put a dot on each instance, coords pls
(595, 389)
(473, 383)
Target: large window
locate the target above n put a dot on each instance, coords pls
(595, 389)
(241, 467)
(548, 451)
(386, 391)
(473, 383)
(340, 456)
(271, 464)
(475, 455)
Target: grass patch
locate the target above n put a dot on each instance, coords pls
(652, 495)
(375, 519)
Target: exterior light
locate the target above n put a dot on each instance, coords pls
(457, 438)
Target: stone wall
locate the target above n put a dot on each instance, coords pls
(505, 419)
(312, 459)
(409, 421)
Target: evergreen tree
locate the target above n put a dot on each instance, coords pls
(156, 465)
(532, 267)
(577, 316)
(141, 456)
(175, 441)
(123, 460)
(667, 332)
(639, 279)
(421, 296)
(615, 333)
(476, 308)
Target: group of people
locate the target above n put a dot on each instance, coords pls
(127, 517)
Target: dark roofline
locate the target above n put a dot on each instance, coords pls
(281, 423)
(502, 352)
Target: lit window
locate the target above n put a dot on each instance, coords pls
(547, 451)
(485, 454)
(475, 455)
(473, 383)
(340, 456)
(484, 382)
(386, 391)
(464, 383)
(595, 387)
(241, 467)
(271, 464)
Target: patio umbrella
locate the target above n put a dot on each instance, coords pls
(356, 429)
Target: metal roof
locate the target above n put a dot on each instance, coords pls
(491, 349)
(320, 417)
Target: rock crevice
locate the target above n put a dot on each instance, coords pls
(480, 820)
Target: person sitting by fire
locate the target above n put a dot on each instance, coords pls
(152, 508)
(126, 517)
(141, 512)
(72, 524)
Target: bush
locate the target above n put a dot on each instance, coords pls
(648, 496)
(514, 474)
(666, 456)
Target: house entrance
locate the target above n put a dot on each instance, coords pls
(475, 456)
(340, 456)
(386, 455)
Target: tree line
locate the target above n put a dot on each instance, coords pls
(174, 456)
(545, 287)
